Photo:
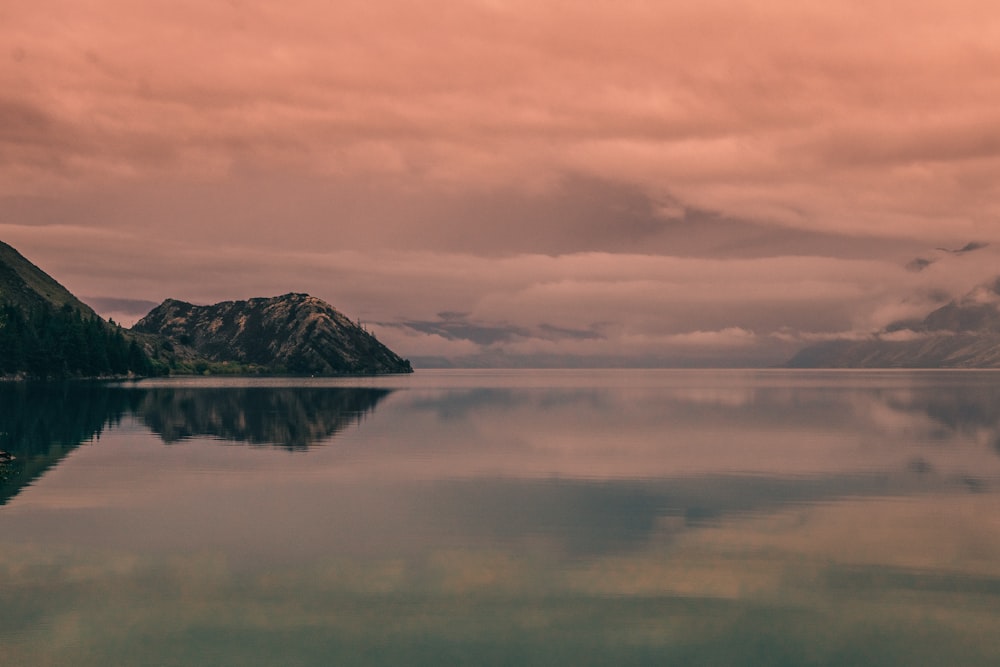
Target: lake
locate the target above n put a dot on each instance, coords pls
(483, 517)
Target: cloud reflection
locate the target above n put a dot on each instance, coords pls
(588, 524)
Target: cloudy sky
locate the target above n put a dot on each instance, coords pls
(508, 182)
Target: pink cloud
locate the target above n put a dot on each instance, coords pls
(734, 107)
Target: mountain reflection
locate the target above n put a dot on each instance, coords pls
(42, 423)
(961, 409)
(290, 418)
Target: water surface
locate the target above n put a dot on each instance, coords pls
(504, 517)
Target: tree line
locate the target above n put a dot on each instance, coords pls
(45, 342)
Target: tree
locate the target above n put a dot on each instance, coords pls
(46, 342)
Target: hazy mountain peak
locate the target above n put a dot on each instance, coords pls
(963, 333)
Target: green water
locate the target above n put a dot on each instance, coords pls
(504, 518)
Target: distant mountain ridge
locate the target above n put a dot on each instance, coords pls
(964, 333)
(293, 333)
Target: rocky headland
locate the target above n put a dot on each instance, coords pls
(293, 333)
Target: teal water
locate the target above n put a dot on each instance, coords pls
(504, 518)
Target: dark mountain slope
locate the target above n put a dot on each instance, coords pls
(46, 332)
(24, 285)
(293, 333)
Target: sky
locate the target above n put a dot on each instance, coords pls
(513, 183)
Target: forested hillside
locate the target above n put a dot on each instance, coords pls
(45, 342)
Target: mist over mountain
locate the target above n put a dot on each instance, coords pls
(45, 331)
(964, 333)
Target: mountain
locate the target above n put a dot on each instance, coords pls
(46, 332)
(965, 333)
(26, 286)
(293, 333)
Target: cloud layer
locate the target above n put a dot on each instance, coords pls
(582, 179)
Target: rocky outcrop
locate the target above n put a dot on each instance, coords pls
(964, 333)
(294, 333)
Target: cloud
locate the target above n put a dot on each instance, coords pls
(638, 308)
(902, 335)
(730, 337)
(125, 312)
(773, 111)
(968, 247)
(134, 306)
(568, 177)
(461, 329)
(918, 264)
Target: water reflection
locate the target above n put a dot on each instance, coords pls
(41, 423)
(290, 418)
(670, 519)
(971, 409)
(581, 518)
(787, 443)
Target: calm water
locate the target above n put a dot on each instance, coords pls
(504, 518)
